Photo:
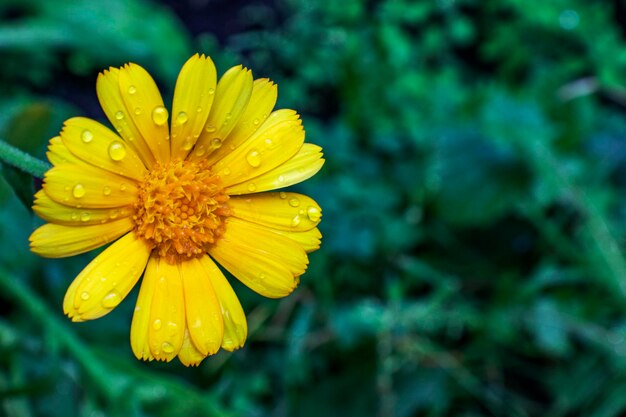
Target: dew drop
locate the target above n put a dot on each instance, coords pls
(167, 347)
(132, 90)
(294, 202)
(137, 111)
(114, 214)
(182, 118)
(156, 325)
(282, 195)
(226, 172)
(123, 186)
(254, 158)
(160, 115)
(199, 109)
(74, 216)
(211, 91)
(111, 300)
(313, 214)
(106, 190)
(119, 115)
(78, 191)
(216, 142)
(281, 178)
(210, 128)
(200, 150)
(85, 217)
(252, 187)
(117, 150)
(228, 117)
(256, 122)
(188, 143)
(84, 296)
(87, 136)
(269, 144)
(295, 221)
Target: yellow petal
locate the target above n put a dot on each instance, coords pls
(54, 212)
(141, 318)
(309, 240)
(193, 97)
(107, 280)
(110, 97)
(59, 154)
(142, 98)
(203, 312)
(57, 241)
(284, 211)
(83, 186)
(189, 355)
(100, 147)
(306, 163)
(271, 145)
(262, 101)
(231, 99)
(167, 312)
(266, 262)
(235, 325)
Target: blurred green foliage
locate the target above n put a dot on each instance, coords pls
(474, 209)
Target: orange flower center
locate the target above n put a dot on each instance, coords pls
(181, 209)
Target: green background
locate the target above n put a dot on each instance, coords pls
(473, 194)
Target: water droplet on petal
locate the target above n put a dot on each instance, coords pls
(254, 158)
(182, 118)
(87, 136)
(295, 221)
(294, 202)
(132, 90)
(78, 191)
(111, 300)
(85, 217)
(187, 143)
(84, 296)
(167, 347)
(160, 115)
(210, 128)
(114, 214)
(199, 109)
(252, 187)
(256, 121)
(106, 190)
(137, 111)
(281, 178)
(74, 216)
(117, 150)
(313, 213)
(200, 150)
(119, 115)
(228, 117)
(269, 144)
(211, 91)
(282, 195)
(226, 171)
(216, 142)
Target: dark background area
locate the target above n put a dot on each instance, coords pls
(473, 194)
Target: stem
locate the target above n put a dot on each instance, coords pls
(23, 161)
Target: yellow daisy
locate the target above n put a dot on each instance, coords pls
(175, 200)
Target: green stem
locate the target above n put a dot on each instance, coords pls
(23, 161)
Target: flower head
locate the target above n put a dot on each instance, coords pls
(176, 197)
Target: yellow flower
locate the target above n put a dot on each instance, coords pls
(177, 199)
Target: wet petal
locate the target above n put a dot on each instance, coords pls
(111, 101)
(58, 241)
(193, 98)
(86, 186)
(235, 325)
(231, 100)
(284, 211)
(97, 145)
(188, 354)
(203, 311)
(166, 327)
(266, 262)
(309, 240)
(142, 98)
(306, 163)
(262, 101)
(107, 280)
(141, 318)
(58, 153)
(54, 212)
(272, 144)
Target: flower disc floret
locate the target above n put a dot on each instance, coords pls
(181, 209)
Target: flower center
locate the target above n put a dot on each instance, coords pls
(181, 209)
